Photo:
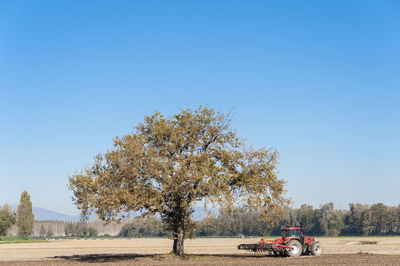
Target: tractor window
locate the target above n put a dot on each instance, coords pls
(295, 233)
(291, 233)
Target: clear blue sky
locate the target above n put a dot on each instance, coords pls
(317, 80)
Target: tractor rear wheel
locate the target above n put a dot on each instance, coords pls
(316, 249)
(297, 248)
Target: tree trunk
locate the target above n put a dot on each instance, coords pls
(178, 241)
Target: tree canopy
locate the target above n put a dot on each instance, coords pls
(7, 219)
(167, 164)
(25, 216)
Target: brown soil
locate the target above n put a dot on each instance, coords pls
(255, 259)
(337, 251)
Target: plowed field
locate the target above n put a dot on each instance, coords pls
(337, 251)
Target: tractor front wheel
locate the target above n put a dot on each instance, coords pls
(316, 249)
(296, 248)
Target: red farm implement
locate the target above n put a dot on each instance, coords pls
(292, 243)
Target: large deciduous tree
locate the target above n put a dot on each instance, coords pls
(25, 216)
(167, 164)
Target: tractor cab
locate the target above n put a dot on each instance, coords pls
(291, 232)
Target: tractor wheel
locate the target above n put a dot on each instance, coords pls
(316, 249)
(297, 248)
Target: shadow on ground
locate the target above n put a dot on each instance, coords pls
(105, 257)
(99, 258)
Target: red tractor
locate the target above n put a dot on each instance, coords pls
(292, 243)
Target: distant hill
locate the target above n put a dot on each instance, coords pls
(42, 214)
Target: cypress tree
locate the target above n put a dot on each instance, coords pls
(25, 216)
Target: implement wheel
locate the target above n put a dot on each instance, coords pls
(297, 248)
(316, 249)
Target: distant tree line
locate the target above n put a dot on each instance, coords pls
(143, 227)
(79, 230)
(46, 232)
(360, 219)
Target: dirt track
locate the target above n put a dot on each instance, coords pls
(337, 251)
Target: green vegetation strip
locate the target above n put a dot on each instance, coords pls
(22, 241)
(15, 240)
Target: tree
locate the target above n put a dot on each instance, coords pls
(7, 219)
(166, 164)
(306, 218)
(354, 219)
(330, 220)
(381, 219)
(142, 226)
(42, 231)
(128, 230)
(396, 222)
(69, 229)
(25, 216)
(79, 230)
(49, 232)
(208, 226)
(92, 232)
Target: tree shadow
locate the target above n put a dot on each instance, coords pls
(102, 258)
(99, 258)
